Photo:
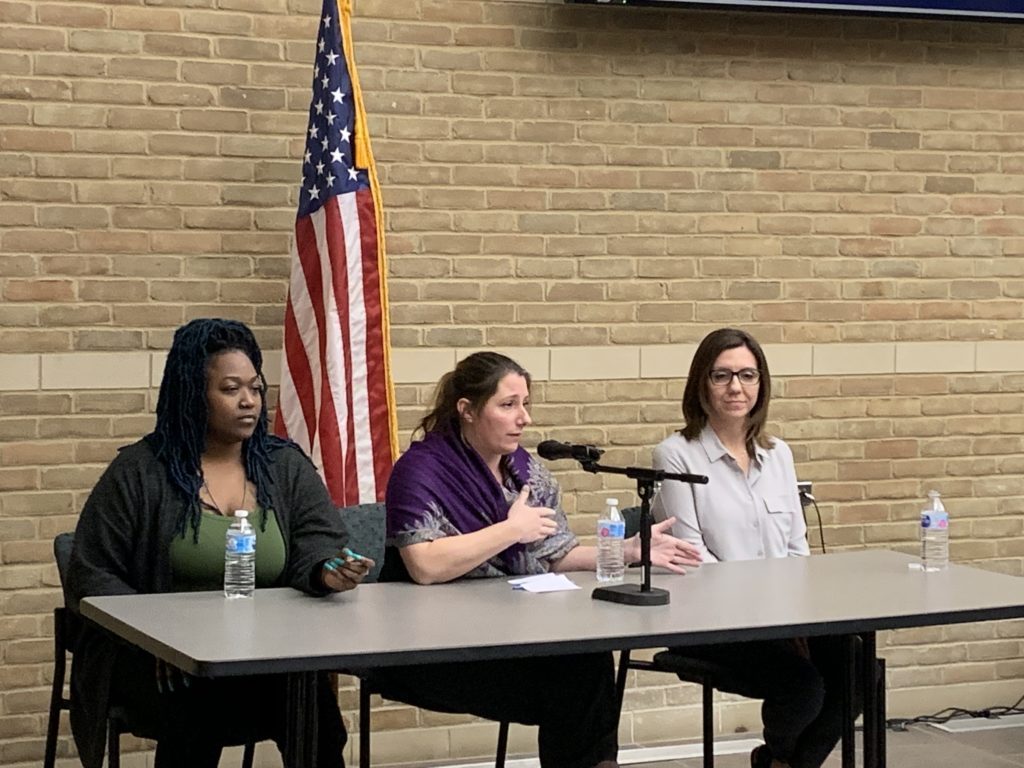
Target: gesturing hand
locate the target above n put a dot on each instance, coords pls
(666, 550)
(530, 523)
(345, 571)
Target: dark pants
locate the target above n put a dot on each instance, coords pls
(571, 698)
(802, 711)
(194, 723)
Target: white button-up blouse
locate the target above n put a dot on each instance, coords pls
(734, 516)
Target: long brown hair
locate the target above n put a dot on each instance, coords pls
(475, 378)
(695, 396)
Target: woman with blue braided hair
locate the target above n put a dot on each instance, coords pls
(156, 522)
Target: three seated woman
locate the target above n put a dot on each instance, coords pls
(465, 501)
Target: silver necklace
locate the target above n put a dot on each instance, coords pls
(216, 506)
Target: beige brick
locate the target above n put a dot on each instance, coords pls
(78, 167)
(19, 372)
(38, 191)
(110, 242)
(94, 371)
(213, 73)
(453, 337)
(109, 142)
(38, 240)
(30, 88)
(253, 147)
(154, 316)
(143, 217)
(30, 38)
(999, 355)
(132, 118)
(583, 363)
(130, 93)
(148, 168)
(28, 454)
(137, 67)
(861, 358)
(235, 97)
(859, 214)
(73, 217)
(18, 266)
(39, 290)
(15, 64)
(16, 12)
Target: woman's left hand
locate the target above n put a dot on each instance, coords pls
(666, 550)
(345, 571)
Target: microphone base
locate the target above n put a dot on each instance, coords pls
(631, 594)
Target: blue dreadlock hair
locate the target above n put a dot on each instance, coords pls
(179, 439)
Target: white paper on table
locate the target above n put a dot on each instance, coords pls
(544, 582)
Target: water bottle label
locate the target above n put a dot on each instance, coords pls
(936, 520)
(242, 545)
(611, 529)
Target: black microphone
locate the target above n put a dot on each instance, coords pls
(553, 450)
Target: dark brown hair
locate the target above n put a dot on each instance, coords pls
(695, 396)
(475, 378)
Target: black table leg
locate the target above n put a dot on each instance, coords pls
(869, 691)
(300, 737)
(880, 713)
(849, 748)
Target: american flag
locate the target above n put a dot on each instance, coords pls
(336, 397)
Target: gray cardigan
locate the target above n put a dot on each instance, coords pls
(122, 546)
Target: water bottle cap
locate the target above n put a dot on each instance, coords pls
(612, 502)
(932, 494)
(241, 513)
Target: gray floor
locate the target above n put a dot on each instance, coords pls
(918, 747)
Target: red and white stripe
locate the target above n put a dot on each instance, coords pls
(334, 398)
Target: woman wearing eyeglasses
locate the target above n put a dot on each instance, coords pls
(750, 509)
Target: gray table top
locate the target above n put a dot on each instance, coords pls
(281, 630)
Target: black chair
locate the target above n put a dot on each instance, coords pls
(707, 674)
(365, 525)
(66, 628)
(366, 528)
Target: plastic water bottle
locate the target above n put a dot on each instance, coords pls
(611, 535)
(240, 557)
(934, 534)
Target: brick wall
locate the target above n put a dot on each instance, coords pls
(593, 187)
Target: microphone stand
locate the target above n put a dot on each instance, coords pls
(642, 594)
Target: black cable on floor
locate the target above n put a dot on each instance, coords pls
(955, 713)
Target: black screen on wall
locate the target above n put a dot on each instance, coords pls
(991, 9)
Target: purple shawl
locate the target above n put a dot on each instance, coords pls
(442, 487)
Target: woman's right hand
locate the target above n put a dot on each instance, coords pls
(346, 571)
(530, 523)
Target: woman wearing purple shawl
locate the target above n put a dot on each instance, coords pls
(468, 501)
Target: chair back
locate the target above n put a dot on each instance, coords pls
(62, 545)
(365, 525)
(71, 622)
(631, 515)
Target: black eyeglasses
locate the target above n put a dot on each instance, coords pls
(722, 377)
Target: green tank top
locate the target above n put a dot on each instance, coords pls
(197, 566)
